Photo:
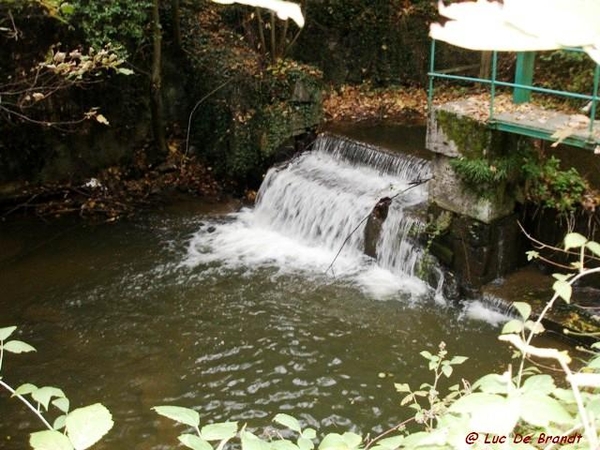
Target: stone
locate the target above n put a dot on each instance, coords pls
(450, 193)
(374, 225)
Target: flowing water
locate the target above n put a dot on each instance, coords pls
(238, 315)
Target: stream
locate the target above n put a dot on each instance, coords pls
(233, 312)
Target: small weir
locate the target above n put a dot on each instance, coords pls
(317, 204)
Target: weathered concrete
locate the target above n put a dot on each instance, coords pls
(450, 193)
(476, 252)
(452, 135)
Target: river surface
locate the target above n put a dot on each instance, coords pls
(221, 312)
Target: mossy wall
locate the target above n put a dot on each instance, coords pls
(476, 252)
(249, 108)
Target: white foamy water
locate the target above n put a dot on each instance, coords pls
(314, 205)
(492, 310)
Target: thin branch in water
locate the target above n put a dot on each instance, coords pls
(411, 185)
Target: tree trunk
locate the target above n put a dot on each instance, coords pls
(176, 17)
(156, 104)
(485, 66)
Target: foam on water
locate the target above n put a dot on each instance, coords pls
(315, 205)
(492, 310)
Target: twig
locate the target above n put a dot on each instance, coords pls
(385, 433)
(21, 205)
(202, 100)
(26, 402)
(540, 245)
(411, 185)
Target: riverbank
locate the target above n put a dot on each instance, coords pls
(118, 191)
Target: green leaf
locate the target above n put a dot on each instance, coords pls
(288, 421)
(563, 290)
(402, 387)
(125, 71)
(194, 442)
(458, 360)
(419, 439)
(534, 327)
(407, 399)
(540, 410)
(179, 414)
(44, 394)
(447, 370)
(594, 363)
(219, 431)
(49, 440)
(346, 441)
(283, 444)
(305, 443)
(251, 442)
(541, 384)
(574, 240)
(566, 396)
(6, 332)
(26, 388)
(18, 347)
(62, 403)
(561, 276)
(309, 433)
(87, 425)
(67, 9)
(513, 326)
(489, 413)
(532, 254)
(60, 422)
(352, 440)
(523, 308)
(593, 247)
(332, 441)
(391, 442)
(425, 354)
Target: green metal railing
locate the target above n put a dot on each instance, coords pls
(524, 72)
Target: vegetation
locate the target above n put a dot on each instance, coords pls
(542, 180)
(76, 429)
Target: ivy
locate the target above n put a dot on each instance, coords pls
(121, 23)
(542, 180)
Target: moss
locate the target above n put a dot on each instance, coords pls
(472, 138)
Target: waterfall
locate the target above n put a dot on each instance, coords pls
(316, 204)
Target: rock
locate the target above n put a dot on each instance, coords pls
(374, 225)
(211, 229)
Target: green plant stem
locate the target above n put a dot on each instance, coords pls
(385, 433)
(27, 403)
(562, 360)
(528, 348)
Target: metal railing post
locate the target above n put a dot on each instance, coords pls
(594, 100)
(431, 76)
(493, 83)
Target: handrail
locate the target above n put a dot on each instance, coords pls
(493, 83)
